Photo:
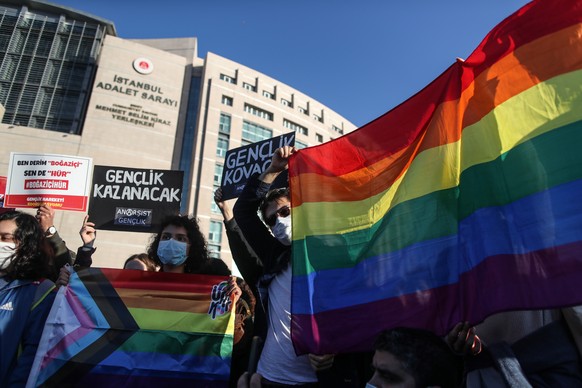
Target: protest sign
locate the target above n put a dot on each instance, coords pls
(59, 181)
(132, 199)
(242, 162)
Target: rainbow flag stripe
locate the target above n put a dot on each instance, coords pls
(135, 328)
(458, 203)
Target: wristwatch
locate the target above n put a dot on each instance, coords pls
(50, 231)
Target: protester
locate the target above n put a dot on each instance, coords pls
(518, 348)
(84, 256)
(61, 255)
(244, 256)
(278, 363)
(85, 252)
(247, 262)
(25, 295)
(180, 247)
(141, 262)
(414, 358)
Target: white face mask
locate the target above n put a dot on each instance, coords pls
(7, 251)
(282, 230)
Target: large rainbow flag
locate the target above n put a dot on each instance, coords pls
(125, 328)
(463, 201)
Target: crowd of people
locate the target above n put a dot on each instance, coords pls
(518, 348)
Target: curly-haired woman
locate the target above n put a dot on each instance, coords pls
(25, 295)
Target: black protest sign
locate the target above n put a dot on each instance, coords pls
(133, 200)
(241, 163)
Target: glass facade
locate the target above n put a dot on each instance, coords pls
(224, 126)
(47, 64)
(252, 133)
(217, 174)
(222, 145)
(215, 238)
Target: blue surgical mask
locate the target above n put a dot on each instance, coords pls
(172, 252)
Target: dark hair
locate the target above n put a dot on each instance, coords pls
(149, 263)
(198, 255)
(31, 261)
(423, 355)
(272, 196)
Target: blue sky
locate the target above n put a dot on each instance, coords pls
(360, 58)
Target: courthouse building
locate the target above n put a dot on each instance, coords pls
(69, 85)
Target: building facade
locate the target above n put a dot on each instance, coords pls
(69, 85)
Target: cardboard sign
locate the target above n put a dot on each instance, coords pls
(242, 162)
(59, 181)
(133, 200)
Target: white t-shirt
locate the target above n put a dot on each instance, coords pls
(278, 361)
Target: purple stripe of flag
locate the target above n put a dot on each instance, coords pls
(510, 281)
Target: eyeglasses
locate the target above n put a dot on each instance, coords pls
(281, 212)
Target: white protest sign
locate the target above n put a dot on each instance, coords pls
(59, 181)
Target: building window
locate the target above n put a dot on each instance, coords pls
(213, 206)
(303, 110)
(227, 100)
(337, 129)
(218, 174)
(252, 133)
(299, 144)
(214, 239)
(318, 118)
(258, 112)
(222, 145)
(286, 103)
(250, 87)
(48, 64)
(295, 127)
(268, 95)
(224, 126)
(227, 78)
(319, 138)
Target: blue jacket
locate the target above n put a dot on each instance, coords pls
(24, 307)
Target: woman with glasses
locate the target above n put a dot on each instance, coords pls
(25, 295)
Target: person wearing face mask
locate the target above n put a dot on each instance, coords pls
(26, 296)
(180, 247)
(270, 237)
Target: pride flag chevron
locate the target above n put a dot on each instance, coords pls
(135, 328)
(461, 202)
